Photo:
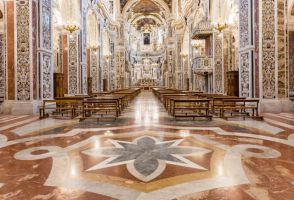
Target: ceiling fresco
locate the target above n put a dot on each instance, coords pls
(142, 22)
(146, 6)
(124, 2)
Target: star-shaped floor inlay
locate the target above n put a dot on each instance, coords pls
(146, 157)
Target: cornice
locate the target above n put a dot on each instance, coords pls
(105, 12)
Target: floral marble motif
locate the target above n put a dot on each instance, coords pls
(218, 64)
(23, 65)
(73, 65)
(111, 160)
(2, 65)
(94, 71)
(268, 49)
(245, 74)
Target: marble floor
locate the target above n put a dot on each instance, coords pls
(146, 154)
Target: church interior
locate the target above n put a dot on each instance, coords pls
(146, 99)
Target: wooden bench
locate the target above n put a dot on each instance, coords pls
(60, 107)
(100, 108)
(190, 108)
(240, 107)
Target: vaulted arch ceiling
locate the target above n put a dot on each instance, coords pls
(145, 7)
(124, 2)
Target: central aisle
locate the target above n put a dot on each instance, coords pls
(145, 109)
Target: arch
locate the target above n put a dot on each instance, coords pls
(92, 29)
(156, 18)
(131, 3)
(71, 12)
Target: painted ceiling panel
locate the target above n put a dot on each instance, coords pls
(124, 2)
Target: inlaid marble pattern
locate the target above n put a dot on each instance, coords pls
(244, 24)
(2, 65)
(94, 73)
(218, 64)
(268, 49)
(282, 81)
(73, 64)
(46, 58)
(145, 154)
(245, 74)
(23, 68)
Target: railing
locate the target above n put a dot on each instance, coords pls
(202, 29)
(202, 64)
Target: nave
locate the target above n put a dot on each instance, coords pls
(146, 154)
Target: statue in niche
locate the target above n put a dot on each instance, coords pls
(146, 37)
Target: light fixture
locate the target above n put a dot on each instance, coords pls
(196, 46)
(219, 25)
(72, 20)
(71, 27)
(107, 57)
(94, 47)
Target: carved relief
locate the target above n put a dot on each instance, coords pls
(46, 59)
(46, 65)
(218, 65)
(46, 24)
(73, 65)
(23, 50)
(268, 48)
(94, 72)
(84, 48)
(281, 50)
(245, 74)
(2, 65)
(244, 24)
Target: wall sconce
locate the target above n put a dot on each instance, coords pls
(71, 27)
(107, 57)
(94, 47)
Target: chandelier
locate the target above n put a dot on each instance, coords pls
(71, 27)
(220, 26)
(94, 47)
(72, 20)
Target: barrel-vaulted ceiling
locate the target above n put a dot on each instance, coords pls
(124, 2)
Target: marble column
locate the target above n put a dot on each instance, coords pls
(83, 89)
(73, 64)
(45, 50)
(246, 49)
(218, 66)
(2, 66)
(29, 63)
(94, 70)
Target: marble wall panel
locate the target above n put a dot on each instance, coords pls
(94, 73)
(73, 65)
(256, 48)
(10, 51)
(291, 61)
(282, 81)
(245, 74)
(34, 44)
(244, 23)
(23, 64)
(218, 64)
(2, 65)
(268, 49)
(46, 65)
(65, 62)
(246, 49)
(84, 88)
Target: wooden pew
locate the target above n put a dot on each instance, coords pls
(60, 107)
(100, 107)
(240, 107)
(190, 107)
